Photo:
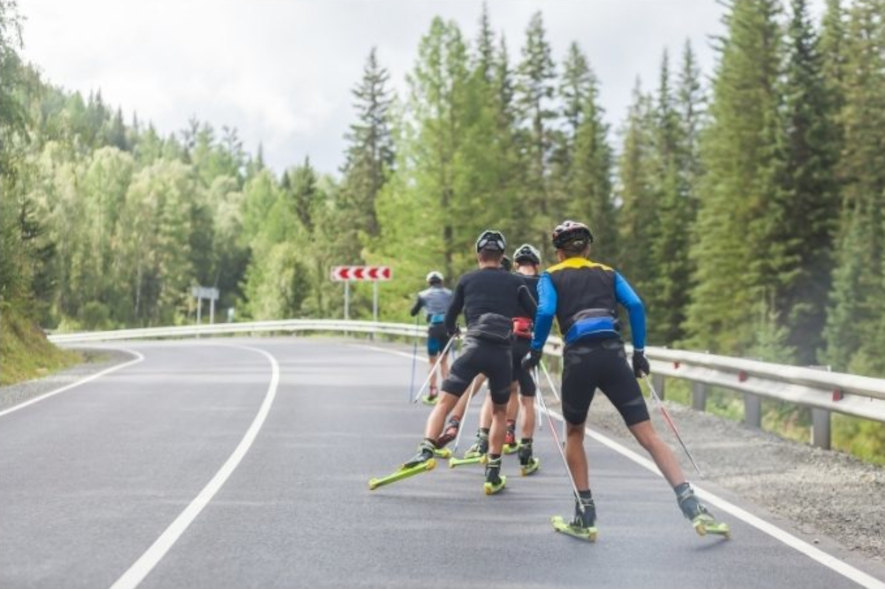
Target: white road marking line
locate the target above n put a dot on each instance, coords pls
(138, 358)
(827, 560)
(143, 566)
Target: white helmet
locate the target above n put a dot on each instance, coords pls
(434, 277)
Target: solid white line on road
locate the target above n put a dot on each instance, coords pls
(829, 561)
(143, 566)
(138, 358)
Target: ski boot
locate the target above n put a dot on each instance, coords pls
(702, 520)
(583, 525)
(426, 451)
(480, 447)
(449, 433)
(510, 445)
(431, 397)
(495, 481)
(528, 464)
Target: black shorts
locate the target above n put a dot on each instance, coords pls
(603, 365)
(482, 357)
(521, 347)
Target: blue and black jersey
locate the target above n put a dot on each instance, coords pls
(583, 296)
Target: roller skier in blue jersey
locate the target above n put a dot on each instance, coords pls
(435, 300)
(583, 296)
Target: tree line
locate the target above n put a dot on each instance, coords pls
(744, 204)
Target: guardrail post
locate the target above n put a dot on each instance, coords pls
(658, 381)
(752, 410)
(699, 396)
(820, 428)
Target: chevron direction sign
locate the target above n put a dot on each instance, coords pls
(369, 273)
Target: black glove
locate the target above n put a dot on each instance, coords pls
(531, 359)
(640, 364)
(454, 332)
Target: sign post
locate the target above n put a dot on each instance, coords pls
(373, 274)
(205, 292)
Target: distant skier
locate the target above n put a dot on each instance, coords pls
(435, 300)
(583, 296)
(489, 297)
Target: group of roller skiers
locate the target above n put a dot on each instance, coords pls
(508, 319)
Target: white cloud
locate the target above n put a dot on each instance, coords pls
(281, 71)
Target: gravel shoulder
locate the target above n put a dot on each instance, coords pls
(94, 360)
(820, 495)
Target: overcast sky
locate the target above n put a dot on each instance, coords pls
(280, 71)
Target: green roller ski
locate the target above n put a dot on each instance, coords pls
(453, 462)
(401, 474)
(492, 488)
(531, 467)
(560, 525)
(442, 453)
(704, 524)
(428, 400)
(509, 448)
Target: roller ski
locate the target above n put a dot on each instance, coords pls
(528, 464)
(421, 462)
(479, 459)
(702, 520)
(479, 448)
(431, 397)
(583, 526)
(495, 481)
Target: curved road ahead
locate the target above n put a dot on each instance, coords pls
(244, 463)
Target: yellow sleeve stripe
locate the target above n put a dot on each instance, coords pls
(577, 262)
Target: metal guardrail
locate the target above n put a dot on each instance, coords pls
(824, 392)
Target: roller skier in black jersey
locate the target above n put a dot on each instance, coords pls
(489, 298)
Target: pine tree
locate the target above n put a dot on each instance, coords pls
(813, 200)
(855, 329)
(369, 158)
(637, 217)
(738, 252)
(534, 93)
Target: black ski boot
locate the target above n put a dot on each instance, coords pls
(495, 481)
(528, 464)
(480, 447)
(425, 452)
(692, 508)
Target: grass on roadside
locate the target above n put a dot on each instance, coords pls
(25, 353)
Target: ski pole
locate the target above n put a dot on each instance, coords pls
(553, 389)
(671, 423)
(433, 370)
(414, 360)
(559, 445)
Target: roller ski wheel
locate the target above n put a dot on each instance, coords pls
(510, 448)
(491, 488)
(402, 473)
(530, 467)
(570, 529)
(430, 399)
(443, 453)
(453, 462)
(705, 524)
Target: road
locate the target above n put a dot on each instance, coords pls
(205, 465)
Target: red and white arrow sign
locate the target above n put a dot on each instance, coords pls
(371, 273)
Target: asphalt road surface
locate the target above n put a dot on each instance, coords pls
(244, 463)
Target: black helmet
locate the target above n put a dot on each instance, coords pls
(491, 240)
(576, 235)
(434, 277)
(506, 263)
(527, 253)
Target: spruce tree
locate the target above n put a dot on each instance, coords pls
(812, 197)
(369, 157)
(738, 252)
(855, 328)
